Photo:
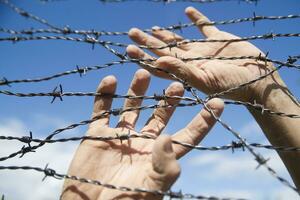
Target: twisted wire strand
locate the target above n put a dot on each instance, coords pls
(232, 146)
(48, 172)
(83, 70)
(115, 112)
(26, 14)
(262, 109)
(79, 70)
(156, 97)
(93, 40)
(67, 30)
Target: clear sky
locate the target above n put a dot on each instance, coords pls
(210, 173)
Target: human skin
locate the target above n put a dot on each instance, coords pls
(137, 162)
(213, 76)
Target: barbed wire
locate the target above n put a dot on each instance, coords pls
(180, 26)
(27, 14)
(232, 146)
(157, 97)
(48, 172)
(258, 157)
(114, 112)
(93, 38)
(67, 30)
(83, 70)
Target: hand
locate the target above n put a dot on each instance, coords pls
(137, 162)
(209, 76)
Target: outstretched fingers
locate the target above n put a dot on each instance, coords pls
(169, 37)
(160, 117)
(199, 19)
(137, 53)
(145, 39)
(138, 87)
(197, 129)
(102, 103)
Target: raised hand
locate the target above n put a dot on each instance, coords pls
(215, 76)
(137, 162)
(209, 76)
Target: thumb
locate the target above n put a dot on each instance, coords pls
(164, 162)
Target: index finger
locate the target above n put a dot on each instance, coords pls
(199, 19)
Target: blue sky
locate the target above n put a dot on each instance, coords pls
(210, 173)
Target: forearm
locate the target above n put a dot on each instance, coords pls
(281, 131)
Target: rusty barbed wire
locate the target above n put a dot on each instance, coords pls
(48, 172)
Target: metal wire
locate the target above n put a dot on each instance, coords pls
(48, 172)
(93, 40)
(92, 37)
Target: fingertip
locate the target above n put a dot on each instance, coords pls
(217, 105)
(111, 79)
(177, 88)
(134, 52)
(155, 28)
(190, 10)
(108, 84)
(142, 75)
(195, 15)
(134, 32)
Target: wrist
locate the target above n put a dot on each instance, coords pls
(274, 95)
(269, 90)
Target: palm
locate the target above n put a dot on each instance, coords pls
(120, 164)
(136, 162)
(210, 76)
(224, 73)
